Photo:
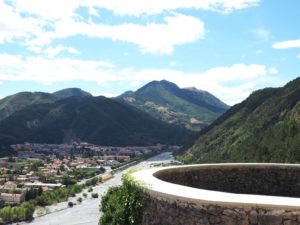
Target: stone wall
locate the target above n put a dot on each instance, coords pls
(162, 211)
(255, 179)
(221, 194)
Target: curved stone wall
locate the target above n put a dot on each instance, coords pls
(227, 194)
(258, 179)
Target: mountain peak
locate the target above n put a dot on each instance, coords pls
(69, 92)
(164, 100)
(194, 89)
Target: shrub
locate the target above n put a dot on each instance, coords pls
(95, 195)
(70, 204)
(84, 195)
(79, 199)
(122, 205)
(90, 189)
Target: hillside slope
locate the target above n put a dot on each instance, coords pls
(96, 120)
(263, 128)
(187, 107)
(19, 101)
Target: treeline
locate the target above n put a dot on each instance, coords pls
(35, 197)
(25, 211)
(22, 212)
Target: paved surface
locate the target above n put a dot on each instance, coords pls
(87, 213)
(199, 196)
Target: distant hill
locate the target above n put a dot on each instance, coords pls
(263, 128)
(188, 107)
(97, 120)
(19, 101)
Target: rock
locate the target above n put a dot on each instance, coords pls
(215, 219)
(269, 219)
(253, 217)
(229, 212)
(290, 222)
(290, 216)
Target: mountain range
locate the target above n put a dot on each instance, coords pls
(187, 107)
(263, 128)
(73, 114)
(19, 101)
(97, 120)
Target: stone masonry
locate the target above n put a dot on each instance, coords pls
(161, 211)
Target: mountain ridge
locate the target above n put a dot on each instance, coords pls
(164, 100)
(263, 128)
(21, 100)
(97, 120)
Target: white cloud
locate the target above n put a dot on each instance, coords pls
(37, 23)
(231, 84)
(173, 63)
(273, 70)
(138, 7)
(108, 95)
(14, 26)
(262, 33)
(49, 10)
(287, 44)
(155, 38)
(298, 56)
(51, 52)
(48, 71)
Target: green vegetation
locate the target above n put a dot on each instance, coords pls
(113, 123)
(67, 180)
(123, 205)
(188, 107)
(95, 195)
(92, 182)
(80, 174)
(19, 101)
(23, 212)
(58, 195)
(263, 128)
(70, 204)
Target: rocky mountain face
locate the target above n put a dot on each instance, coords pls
(188, 107)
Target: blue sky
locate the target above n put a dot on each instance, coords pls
(227, 47)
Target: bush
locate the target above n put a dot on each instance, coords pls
(90, 189)
(79, 199)
(67, 180)
(84, 195)
(95, 195)
(22, 212)
(122, 205)
(70, 204)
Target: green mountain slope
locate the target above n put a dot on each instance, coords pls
(19, 101)
(96, 120)
(263, 128)
(189, 107)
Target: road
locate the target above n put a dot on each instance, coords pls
(87, 213)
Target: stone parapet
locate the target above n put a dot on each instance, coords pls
(183, 202)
